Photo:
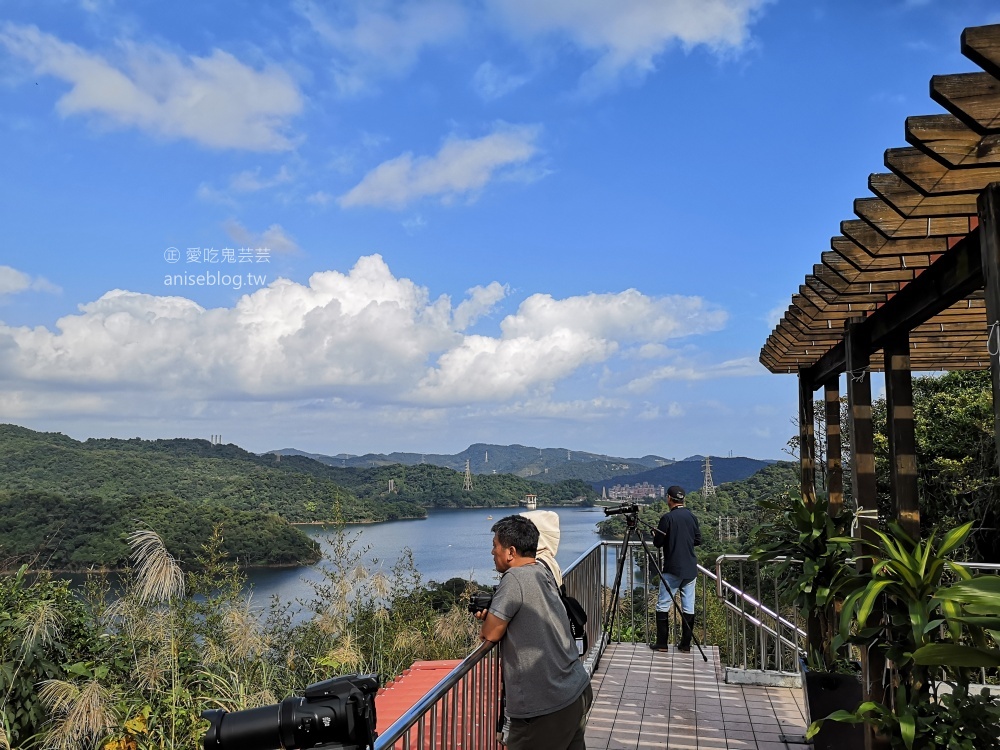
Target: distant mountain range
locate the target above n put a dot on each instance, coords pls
(689, 473)
(546, 464)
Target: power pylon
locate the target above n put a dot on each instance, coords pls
(468, 477)
(708, 487)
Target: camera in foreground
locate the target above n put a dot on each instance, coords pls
(624, 508)
(480, 600)
(336, 714)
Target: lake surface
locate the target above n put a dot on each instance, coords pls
(446, 544)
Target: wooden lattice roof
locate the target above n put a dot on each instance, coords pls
(920, 221)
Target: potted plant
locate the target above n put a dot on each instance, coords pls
(812, 552)
(934, 636)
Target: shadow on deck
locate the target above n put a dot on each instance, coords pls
(648, 699)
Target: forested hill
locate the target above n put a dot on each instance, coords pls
(69, 504)
(689, 473)
(547, 465)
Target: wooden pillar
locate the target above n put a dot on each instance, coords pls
(859, 400)
(807, 441)
(899, 426)
(834, 462)
(989, 238)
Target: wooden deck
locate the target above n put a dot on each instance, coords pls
(648, 699)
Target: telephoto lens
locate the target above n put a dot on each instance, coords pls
(338, 714)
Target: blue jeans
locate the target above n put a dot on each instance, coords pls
(665, 602)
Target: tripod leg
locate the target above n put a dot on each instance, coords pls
(609, 618)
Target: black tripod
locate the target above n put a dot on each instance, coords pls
(632, 528)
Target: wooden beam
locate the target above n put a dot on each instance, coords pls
(888, 222)
(981, 44)
(931, 177)
(951, 142)
(947, 281)
(989, 222)
(899, 429)
(807, 441)
(912, 204)
(974, 98)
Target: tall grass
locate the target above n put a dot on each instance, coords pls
(136, 671)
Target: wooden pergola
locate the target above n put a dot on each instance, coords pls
(912, 282)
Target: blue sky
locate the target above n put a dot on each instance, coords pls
(399, 225)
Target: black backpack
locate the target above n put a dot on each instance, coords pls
(577, 617)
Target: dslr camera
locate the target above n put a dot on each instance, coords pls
(623, 509)
(480, 600)
(336, 714)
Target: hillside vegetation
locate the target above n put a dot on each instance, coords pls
(68, 504)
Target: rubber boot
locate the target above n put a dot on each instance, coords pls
(662, 632)
(686, 631)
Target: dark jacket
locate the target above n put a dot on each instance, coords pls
(678, 535)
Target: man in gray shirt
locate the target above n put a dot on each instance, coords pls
(547, 688)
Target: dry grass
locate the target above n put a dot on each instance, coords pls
(158, 576)
(4, 741)
(81, 716)
(40, 623)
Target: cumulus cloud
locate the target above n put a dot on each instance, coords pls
(628, 35)
(372, 39)
(216, 101)
(275, 238)
(363, 336)
(13, 281)
(251, 180)
(547, 339)
(462, 167)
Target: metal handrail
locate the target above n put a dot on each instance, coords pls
(442, 705)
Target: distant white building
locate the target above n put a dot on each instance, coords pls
(641, 491)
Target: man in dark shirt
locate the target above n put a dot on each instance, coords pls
(677, 535)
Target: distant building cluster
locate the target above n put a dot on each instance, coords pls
(635, 491)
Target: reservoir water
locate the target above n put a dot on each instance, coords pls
(446, 544)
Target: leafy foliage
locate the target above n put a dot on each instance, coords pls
(813, 567)
(930, 632)
(136, 670)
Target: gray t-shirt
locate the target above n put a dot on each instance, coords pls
(541, 666)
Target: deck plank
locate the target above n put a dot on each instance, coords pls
(648, 699)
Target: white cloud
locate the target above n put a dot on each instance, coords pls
(251, 181)
(216, 101)
(319, 198)
(372, 39)
(547, 340)
(491, 83)
(462, 167)
(274, 237)
(13, 281)
(686, 370)
(364, 337)
(628, 35)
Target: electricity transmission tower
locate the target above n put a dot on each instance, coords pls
(708, 487)
(468, 477)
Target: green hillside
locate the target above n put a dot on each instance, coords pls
(69, 504)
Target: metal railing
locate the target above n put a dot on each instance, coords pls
(761, 634)
(461, 711)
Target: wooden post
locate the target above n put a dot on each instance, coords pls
(859, 399)
(899, 426)
(834, 462)
(807, 441)
(989, 238)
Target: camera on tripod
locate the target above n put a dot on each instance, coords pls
(336, 714)
(623, 509)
